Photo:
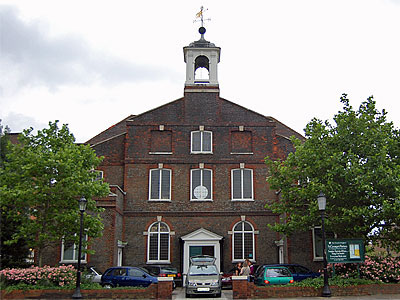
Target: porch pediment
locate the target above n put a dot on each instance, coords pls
(202, 234)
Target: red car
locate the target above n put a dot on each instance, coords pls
(227, 279)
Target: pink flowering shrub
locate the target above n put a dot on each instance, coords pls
(54, 276)
(377, 268)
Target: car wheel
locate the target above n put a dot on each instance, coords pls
(218, 295)
(188, 295)
(107, 286)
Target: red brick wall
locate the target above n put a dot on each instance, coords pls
(128, 159)
(262, 292)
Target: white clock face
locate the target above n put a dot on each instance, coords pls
(200, 192)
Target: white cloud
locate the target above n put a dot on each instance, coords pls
(92, 63)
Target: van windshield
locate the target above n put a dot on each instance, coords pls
(202, 270)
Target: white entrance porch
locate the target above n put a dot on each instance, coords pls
(201, 242)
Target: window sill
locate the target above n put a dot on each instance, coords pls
(83, 261)
(201, 200)
(235, 261)
(201, 153)
(160, 153)
(157, 262)
(159, 200)
(318, 259)
(242, 153)
(242, 200)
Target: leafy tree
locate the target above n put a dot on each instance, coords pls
(3, 141)
(11, 255)
(43, 177)
(356, 164)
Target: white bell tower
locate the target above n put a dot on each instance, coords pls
(201, 58)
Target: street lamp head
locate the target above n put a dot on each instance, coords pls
(321, 201)
(82, 204)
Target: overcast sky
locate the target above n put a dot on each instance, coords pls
(91, 64)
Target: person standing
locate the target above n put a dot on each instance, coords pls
(238, 268)
(245, 269)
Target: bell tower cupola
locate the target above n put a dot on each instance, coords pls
(201, 58)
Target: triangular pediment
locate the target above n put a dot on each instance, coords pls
(202, 234)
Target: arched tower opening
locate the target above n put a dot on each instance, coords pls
(202, 69)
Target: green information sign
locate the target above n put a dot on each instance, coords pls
(344, 251)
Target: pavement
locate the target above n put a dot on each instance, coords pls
(179, 293)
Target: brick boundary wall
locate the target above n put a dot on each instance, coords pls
(161, 290)
(242, 289)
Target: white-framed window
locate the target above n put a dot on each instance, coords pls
(201, 185)
(99, 175)
(242, 184)
(69, 252)
(160, 184)
(201, 141)
(243, 241)
(317, 242)
(158, 243)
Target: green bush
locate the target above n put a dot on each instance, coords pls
(336, 281)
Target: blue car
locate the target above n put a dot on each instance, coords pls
(299, 272)
(127, 276)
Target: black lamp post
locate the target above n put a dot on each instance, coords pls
(82, 207)
(326, 292)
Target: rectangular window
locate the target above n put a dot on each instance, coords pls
(248, 244)
(201, 142)
(69, 252)
(201, 184)
(242, 184)
(160, 184)
(317, 242)
(164, 246)
(99, 175)
(243, 245)
(153, 250)
(238, 246)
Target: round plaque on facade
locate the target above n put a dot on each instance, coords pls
(200, 192)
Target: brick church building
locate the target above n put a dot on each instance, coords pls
(189, 178)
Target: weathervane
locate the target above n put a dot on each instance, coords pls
(200, 15)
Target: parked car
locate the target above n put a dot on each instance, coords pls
(227, 278)
(93, 275)
(299, 272)
(165, 271)
(266, 275)
(127, 276)
(203, 277)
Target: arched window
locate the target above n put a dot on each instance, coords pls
(243, 241)
(158, 243)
